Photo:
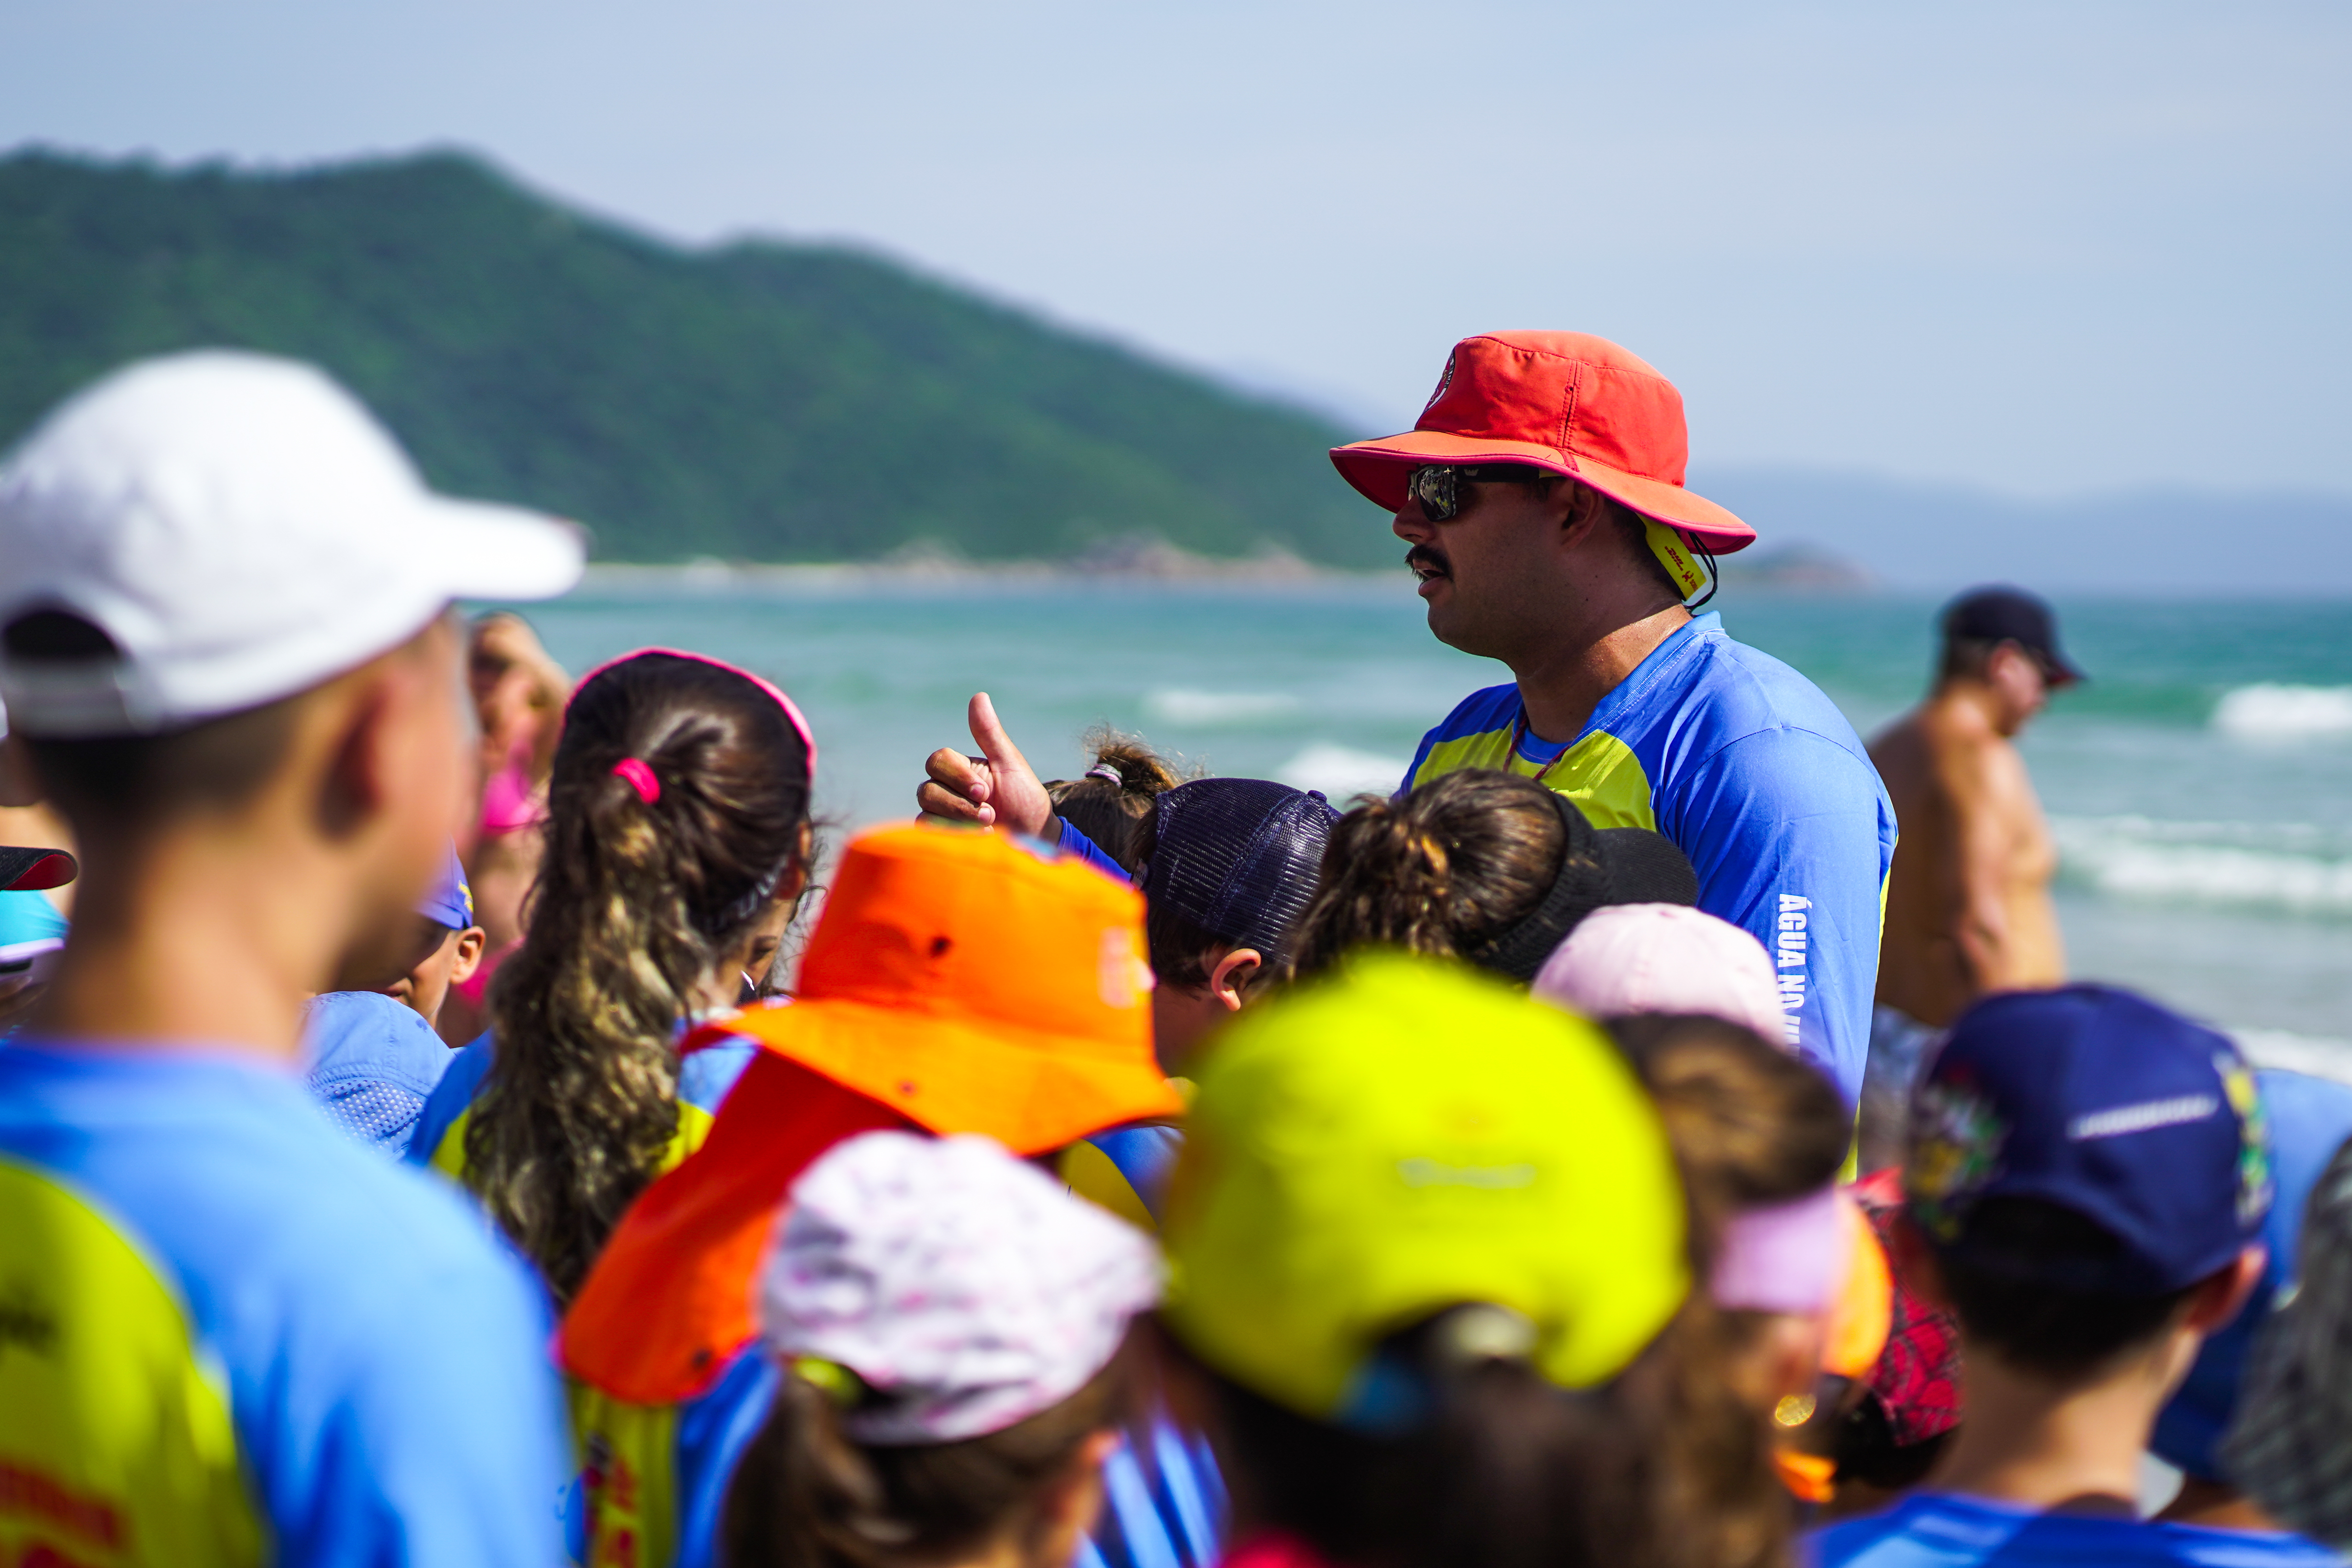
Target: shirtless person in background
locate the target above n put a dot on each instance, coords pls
(1967, 901)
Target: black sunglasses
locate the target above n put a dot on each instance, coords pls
(1438, 487)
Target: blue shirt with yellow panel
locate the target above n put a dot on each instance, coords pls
(229, 1335)
(704, 1079)
(1758, 779)
(439, 1141)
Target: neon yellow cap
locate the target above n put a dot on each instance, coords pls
(1405, 1136)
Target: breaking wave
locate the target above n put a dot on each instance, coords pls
(2286, 713)
(2317, 1055)
(2292, 868)
(1342, 772)
(1181, 705)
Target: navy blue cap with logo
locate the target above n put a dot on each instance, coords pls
(1238, 858)
(2104, 1104)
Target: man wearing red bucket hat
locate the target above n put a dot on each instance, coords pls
(1542, 495)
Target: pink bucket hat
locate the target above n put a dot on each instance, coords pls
(1663, 958)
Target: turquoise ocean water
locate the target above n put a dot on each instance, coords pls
(2197, 786)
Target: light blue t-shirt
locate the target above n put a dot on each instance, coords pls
(233, 1336)
(1758, 779)
(1939, 1530)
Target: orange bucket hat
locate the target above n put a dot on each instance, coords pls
(976, 985)
(958, 981)
(1566, 401)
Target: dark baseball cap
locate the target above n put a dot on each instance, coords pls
(1238, 858)
(2005, 614)
(2104, 1104)
(34, 870)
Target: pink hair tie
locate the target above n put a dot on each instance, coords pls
(641, 778)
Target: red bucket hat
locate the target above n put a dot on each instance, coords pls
(1567, 401)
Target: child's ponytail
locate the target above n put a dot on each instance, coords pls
(1112, 800)
(1439, 871)
(679, 805)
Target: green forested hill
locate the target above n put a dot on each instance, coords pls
(758, 401)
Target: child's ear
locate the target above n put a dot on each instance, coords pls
(471, 943)
(2216, 1301)
(1233, 975)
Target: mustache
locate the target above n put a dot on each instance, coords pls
(1429, 557)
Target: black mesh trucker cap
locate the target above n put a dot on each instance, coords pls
(1238, 857)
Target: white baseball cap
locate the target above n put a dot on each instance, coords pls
(242, 529)
(966, 1289)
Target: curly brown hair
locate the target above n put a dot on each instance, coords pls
(635, 901)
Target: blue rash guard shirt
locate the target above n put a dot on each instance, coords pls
(1940, 1530)
(229, 1335)
(1759, 780)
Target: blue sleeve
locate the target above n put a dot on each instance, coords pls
(1791, 836)
(449, 1099)
(1164, 1513)
(1074, 843)
(713, 1430)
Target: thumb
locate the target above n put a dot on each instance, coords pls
(988, 733)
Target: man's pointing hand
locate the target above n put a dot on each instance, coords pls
(998, 788)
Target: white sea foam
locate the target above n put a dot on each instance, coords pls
(2286, 713)
(1180, 705)
(2317, 1055)
(2270, 866)
(1341, 772)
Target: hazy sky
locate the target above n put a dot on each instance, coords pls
(2045, 248)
